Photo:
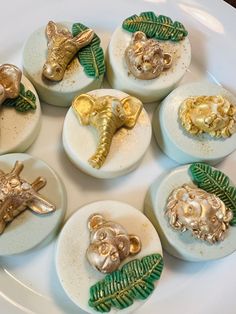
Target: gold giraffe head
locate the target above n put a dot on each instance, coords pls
(16, 194)
(62, 47)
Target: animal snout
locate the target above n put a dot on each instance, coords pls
(53, 72)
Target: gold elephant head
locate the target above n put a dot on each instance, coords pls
(107, 114)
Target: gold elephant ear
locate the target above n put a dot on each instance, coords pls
(135, 244)
(82, 106)
(132, 107)
(94, 221)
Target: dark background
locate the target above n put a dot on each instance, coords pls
(232, 2)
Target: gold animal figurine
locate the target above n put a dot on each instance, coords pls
(109, 244)
(10, 78)
(107, 114)
(214, 115)
(145, 58)
(16, 194)
(203, 213)
(62, 47)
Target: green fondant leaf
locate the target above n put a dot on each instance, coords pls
(91, 56)
(216, 182)
(122, 287)
(25, 101)
(158, 27)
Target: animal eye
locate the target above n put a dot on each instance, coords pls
(121, 245)
(94, 113)
(14, 182)
(213, 219)
(58, 69)
(114, 256)
(104, 248)
(102, 236)
(139, 67)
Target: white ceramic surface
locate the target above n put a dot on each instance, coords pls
(127, 149)
(182, 245)
(28, 229)
(28, 283)
(75, 80)
(176, 142)
(147, 90)
(75, 273)
(19, 130)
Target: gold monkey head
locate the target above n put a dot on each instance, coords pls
(109, 244)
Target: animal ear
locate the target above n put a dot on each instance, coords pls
(18, 167)
(2, 94)
(95, 221)
(51, 29)
(167, 60)
(83, 38)
(135, 244)
(83, 106)
(132, 107)
(139, 36)
(40, 205)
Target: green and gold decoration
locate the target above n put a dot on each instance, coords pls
(215, 182)
(159, 27)
(91, 56)
(134, 281)
(25, 101)
(12, 91)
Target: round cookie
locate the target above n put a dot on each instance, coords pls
(146, 90)
(74, 82)
(182, 245)
(29, 229)
(127, 148)
(75, 273)
(176, 142)
(18, 130)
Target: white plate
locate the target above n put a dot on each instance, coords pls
(28, 283)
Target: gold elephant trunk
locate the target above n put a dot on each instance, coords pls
(106, 127)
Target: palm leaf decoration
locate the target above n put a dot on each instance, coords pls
(158, 27)
(91, 56)
(122, 287)
(216, 182)
(25, 101)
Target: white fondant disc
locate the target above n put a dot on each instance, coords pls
(75, 273)
(29, 229)
(127, 148)
(75, 80)
(181, 146)
(181, 245)
(146, 90)
(19, 130)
